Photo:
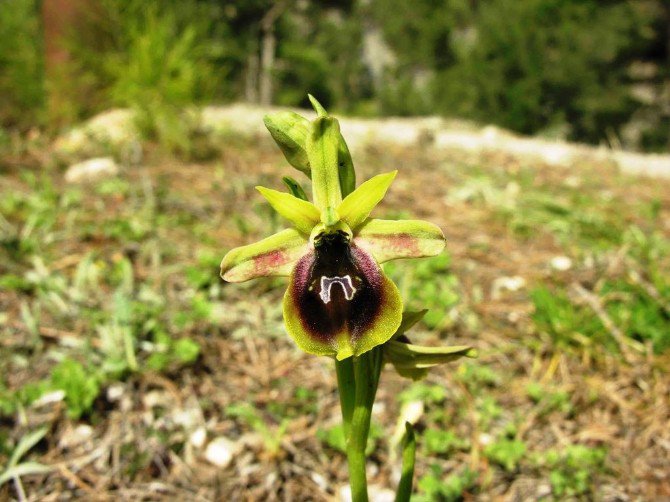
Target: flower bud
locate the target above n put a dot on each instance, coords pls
(290, 131)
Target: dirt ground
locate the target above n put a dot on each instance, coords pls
(527, 420)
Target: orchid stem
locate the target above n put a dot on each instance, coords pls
(347, 389)
(367, 369)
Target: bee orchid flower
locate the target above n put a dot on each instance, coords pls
(338, 302)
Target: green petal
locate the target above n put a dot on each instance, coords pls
(273, 256)
(318, 108)
(303, 214)
(346, 172)
(290, 130)
(340, 321)
(322, 145)
(357, 206)
(392, 239)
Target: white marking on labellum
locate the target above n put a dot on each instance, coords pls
(327, 283)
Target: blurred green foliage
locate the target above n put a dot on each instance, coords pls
(451, 488)
(428, 283)
(21, 64)
(573, 469)
(567, 68)
(506, 452)
(80, 387)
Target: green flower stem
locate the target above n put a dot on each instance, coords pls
(347, 388)
(367, 369)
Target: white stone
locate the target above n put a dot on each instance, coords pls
(500, 284)
(376, 494)
(155, 398)
(113, 131)
(115, 392)
(485, 439)
(92, 170)
(561, 263)
(410, 412)
(49, 398)
(198, 437)
(73, 437)
(220, 452)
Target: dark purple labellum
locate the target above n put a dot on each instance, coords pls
(337, 289)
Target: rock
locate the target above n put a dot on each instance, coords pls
(220, 452)
(115, 392)
(411, 412)
(485, 439)
(376, 494)
(113, 132)
(49, 398)
(75, 436)
(561, 263)
(514, 283)
(156, 398)
(198, 437)
(92, 170)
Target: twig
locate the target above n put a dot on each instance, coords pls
(68, 337)
(19, 489)
(596, 305)
(649, 288)
(73, 478)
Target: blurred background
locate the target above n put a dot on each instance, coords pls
(534, 133)
(591, 71)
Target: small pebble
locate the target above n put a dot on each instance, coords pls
(220, 452)
(561, 263)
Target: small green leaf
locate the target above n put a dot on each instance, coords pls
(356, 207)
(409, 319)
(408, 455)
(186, 350)
(294, 187)
(26, 443)
(290, 130)
(80, 384)
(303, 214)
(24, 469)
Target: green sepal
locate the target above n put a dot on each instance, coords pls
(358, 205)
(290, 131)
(300, 212)
(408, 445)
(414, 361)
(273, 256)
(346, 171)
(294, 187)
(322, 153)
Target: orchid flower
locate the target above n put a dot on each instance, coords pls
(338, 302)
